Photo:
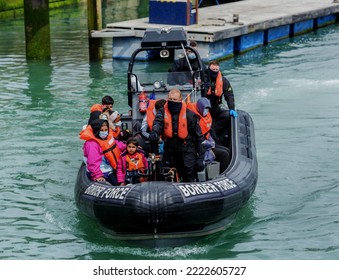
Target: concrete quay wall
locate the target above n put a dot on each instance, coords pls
(260, 22)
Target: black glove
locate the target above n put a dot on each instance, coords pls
(199, 165)
(154, 137)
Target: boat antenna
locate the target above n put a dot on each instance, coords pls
(188, 61)
(194, 90)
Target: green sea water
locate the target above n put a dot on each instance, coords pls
(290, 88)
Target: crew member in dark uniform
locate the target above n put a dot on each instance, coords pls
(183, 64)
(218, 87)
(181, 133)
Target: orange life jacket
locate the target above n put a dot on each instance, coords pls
(204, 122)
(131, 164)
(96, 107)
(116, 132)
(109, 148)
(218, 86)
(150, 116)
(182, 126)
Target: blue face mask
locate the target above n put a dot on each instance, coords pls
(191, 56)
(205, 112)
(103, 134)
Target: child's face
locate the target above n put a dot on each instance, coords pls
(109, 106)
(104, 128)
(131, 148)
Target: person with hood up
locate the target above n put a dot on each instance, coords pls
(213, 150)
(101, 151)
(113, 118)
(179, 129)
(106, 105)
(114, 122)
(218, 87)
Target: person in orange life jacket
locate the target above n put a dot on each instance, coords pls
(218, 87)
(97, 109)
(179, 128)
(182, 65)
(130, 163)
(113, 118)
(222, 154)
(101, 151)
(147, 122)
(106, 102)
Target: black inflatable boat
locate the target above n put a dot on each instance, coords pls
(162, 212)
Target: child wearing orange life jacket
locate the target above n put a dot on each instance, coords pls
(106, 102)
(130, 163)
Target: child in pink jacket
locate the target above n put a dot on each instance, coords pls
(99, 167)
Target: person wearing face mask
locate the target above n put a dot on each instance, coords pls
(179, 128)
(218, 88)
(101, 151)
(114, 122)
(213, 150)
(183, 64)
(97, 111)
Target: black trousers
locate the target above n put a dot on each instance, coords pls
(183, 160)
(221, 124)
(222, 155)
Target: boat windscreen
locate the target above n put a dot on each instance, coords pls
(164, 81)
